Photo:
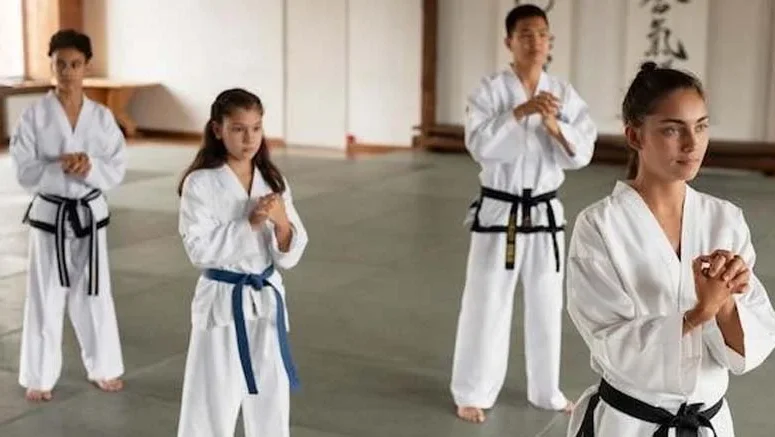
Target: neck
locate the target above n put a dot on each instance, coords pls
(69, 96)
(660, 195)
(240, 166)
(527, 73)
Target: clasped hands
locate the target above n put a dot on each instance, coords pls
(545, 104)
(717, 278)
(75, 164)
(270, 207)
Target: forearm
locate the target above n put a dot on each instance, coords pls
(728, 320)
(569, 148)
(284, 233)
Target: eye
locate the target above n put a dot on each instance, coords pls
(702, 127)
(670, 131)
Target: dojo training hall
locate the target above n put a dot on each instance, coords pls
(364, 111)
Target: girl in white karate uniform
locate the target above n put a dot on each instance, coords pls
(238, 225)
(660, 280)
(68, 150)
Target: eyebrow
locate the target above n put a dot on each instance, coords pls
(675, 120)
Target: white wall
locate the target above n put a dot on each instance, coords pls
(12, 47)
(316, 56)
(384, 70)
(771, 102)
(195, 48)
(14, 106)
(602, 86)
(324, 68)
(739, 74)
(593, 35)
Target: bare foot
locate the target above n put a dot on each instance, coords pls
(567, 409)
(38, 395)
(110, 385)
(471, 414)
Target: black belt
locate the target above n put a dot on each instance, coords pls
(687, 422)
(67, 210)
(528, 201)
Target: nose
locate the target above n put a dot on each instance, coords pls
(249, 137)
(689, 142)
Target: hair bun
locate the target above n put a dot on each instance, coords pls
(648, 66)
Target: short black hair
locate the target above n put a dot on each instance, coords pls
(70, 39)
(520, 13)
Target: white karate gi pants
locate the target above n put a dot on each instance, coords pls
(214, 387)
(93, 317)
(484, 324)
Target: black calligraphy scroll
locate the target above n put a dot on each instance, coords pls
(664, 47)
(548, 7)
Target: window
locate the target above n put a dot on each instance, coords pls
(11, 39)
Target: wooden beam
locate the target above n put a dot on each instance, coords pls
(770, 124)
(430, 26)
(71, 14)
(611, 149)
(43, 18)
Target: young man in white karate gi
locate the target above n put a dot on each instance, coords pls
(525, 128)
(68, 150)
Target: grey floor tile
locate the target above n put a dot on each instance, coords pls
(373, 303)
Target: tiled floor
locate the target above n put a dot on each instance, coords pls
(373, 303)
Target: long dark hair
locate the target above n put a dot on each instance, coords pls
(651, 85)
(213, 152)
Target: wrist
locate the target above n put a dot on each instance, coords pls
(698, 315)
(282, 225)
(518, 112)
(728, 307)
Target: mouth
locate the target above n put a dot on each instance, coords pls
(687, 161)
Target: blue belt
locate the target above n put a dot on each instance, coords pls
(257, 282)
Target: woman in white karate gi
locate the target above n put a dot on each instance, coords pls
(660, 280)
(67, 150)
(238, 225)
(525, 128)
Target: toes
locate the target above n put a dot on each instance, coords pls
(112, 386)
(470, 414)
(37, 396)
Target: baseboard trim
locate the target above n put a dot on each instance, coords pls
(612, 149)
(353, 150)
(193, 137)
(172, 135)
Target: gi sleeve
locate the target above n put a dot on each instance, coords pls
(647, 351)
(34, 172)
(491, 135)
(299, 238)
(757, 317)
(210, 243)
(578, 129)
(108, 161)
